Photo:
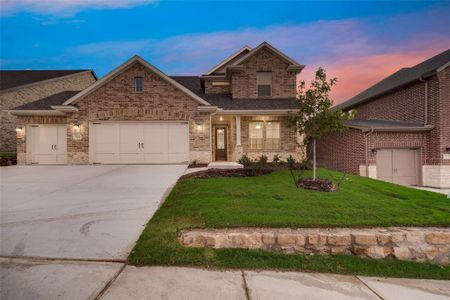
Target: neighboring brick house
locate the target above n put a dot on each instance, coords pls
(138, 114)
(401, 132)
(22, 87)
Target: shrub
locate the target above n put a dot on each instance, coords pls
(244, 160)
(263, 159)
(290, 161)
(276, 158)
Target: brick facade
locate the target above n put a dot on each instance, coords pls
(19, 96)
(243, 83)
(346, 152)
(216, 89)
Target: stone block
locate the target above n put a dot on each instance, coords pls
(210, 241)
(339, 240)
(317, 240)
(401, 253)
(340, 250)
(431, 253)
(398, 238)
(358, 250)
(383, 239)
(438, 238)
(268, 238)
(414, 237)
(365, 239)
(199, 241)
(286, 239)
(378, 252)
(238, 240)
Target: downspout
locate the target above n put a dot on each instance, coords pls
(426, 100)
(366, 137)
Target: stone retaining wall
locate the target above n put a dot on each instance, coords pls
(403, 243)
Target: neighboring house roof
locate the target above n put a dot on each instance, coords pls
(122, 67)
(226, 102)
(47, 102)
(10, 79)
(220, 68)
(398, 79)
(387, 125)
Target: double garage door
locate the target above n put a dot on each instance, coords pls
(400, 166)
(137, 143)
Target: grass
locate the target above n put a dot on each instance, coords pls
(273, 201)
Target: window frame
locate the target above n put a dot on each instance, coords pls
(263, 84)
(264, 144)
(136, 78)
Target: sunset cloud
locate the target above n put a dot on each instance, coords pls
(64, 7)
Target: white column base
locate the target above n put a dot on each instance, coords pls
(372, 171)
(436, 176)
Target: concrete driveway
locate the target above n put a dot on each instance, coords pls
(85, 212)
(84, 218)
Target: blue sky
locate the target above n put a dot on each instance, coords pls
(358, 42)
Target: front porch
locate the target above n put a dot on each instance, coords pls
(253, 135)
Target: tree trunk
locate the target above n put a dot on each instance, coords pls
(314, 159)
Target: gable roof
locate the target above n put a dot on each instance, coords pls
(10, 79)
(121, 68)
(229, 60)
(400, 78)
(273, 49)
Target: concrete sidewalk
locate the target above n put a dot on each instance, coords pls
(58, 279)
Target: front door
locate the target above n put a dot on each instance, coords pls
(221, 143)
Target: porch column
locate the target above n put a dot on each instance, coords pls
(238, 131)
(238, 149)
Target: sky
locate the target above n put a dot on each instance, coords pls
(358, 42)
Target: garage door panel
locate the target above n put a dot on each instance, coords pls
(49, 144)
(132, 143)
(178, 143)
(129, 138)
(105, 140)
(384, 165)
(398, 166)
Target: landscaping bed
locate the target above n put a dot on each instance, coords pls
(245, 172)
(273, 200)
(8, 159)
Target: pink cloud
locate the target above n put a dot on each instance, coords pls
(358, 73)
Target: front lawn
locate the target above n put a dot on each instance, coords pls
(273, 201)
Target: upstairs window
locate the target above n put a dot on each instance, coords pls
(138, 84)
(264, 84)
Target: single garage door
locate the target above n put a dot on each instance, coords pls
(139, 143)
(48, 144)
(399, 166)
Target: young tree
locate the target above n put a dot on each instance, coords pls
(315, 116)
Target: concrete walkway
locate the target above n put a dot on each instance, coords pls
(38, 279)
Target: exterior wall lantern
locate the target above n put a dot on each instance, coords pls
(76, 132)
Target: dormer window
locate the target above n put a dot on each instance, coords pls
(264, 84)
(138, 84)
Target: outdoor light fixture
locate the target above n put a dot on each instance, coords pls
(199, 127)
(19, 129)
(76, 127)
(221, 118)
(258, 126)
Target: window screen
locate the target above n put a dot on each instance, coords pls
(264, 83)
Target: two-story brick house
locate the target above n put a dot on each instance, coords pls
(401, 132)
(138, 114)
(19, 87)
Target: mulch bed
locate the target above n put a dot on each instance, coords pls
(322, 185)
(197, 166)
(246, 172)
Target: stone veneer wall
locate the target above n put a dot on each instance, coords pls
(15, 97)
(402, 243)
